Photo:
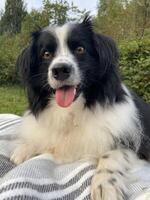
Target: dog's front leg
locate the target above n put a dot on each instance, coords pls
(112, 175)
(23, 152)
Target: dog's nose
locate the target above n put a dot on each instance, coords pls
(61, 71)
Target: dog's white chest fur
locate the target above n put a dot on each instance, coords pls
(77, 132)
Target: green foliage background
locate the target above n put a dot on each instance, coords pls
(10, 47)
(135, 66)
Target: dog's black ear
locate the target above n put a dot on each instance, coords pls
(27, 59)
(23, 63)
(107, 52)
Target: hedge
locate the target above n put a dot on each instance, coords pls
(135, 66)
(10, 47)
(134, 62)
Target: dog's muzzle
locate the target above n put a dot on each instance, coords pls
(64, 79)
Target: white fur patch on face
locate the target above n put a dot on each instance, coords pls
(63, 55)
(62, 34)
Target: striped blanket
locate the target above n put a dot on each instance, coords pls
(41, 179)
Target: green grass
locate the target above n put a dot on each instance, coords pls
(12, 100)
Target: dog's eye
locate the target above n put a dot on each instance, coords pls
(80, 50)
(47, 55)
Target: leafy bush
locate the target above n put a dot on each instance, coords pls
(135, 66)
(10, 47)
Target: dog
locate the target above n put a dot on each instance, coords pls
(80, 108)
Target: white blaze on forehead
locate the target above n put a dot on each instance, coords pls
(62, 34)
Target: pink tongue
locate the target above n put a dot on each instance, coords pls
(65, 96)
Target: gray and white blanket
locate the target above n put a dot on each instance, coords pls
(41, 179)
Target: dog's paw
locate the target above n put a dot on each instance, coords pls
(21, 154)
(108, 185)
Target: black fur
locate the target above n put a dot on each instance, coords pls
(34, 71)
(144, 114)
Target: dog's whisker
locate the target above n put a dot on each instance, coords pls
(46, 85)
(38, 75)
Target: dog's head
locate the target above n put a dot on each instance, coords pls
(68, 61)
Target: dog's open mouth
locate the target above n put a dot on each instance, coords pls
(65, 95)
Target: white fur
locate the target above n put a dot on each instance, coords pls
(63, 55)
(61, 34)
(76, 132)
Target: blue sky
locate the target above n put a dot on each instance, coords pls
(90, 5)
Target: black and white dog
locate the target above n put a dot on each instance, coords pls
(79, 108)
